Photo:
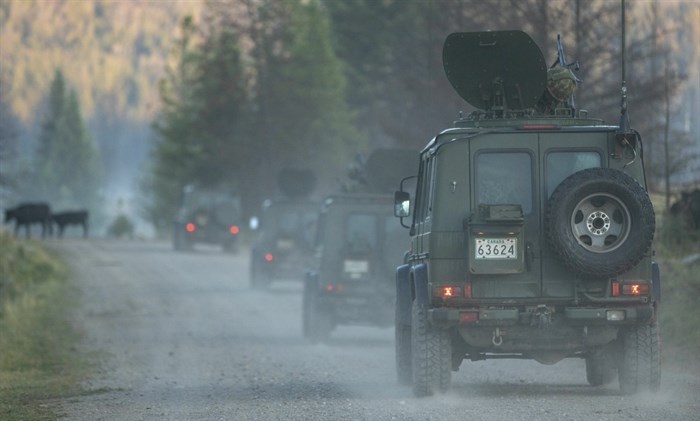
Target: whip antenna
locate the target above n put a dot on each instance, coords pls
(624, 118)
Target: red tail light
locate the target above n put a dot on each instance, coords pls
(233, 229)
(447, 291)
(634, 288)
(268, 257)
(190, 227)
(453, 291)
(614, 288)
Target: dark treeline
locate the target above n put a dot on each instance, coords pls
(253, 86)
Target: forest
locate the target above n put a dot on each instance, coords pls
(231, 91)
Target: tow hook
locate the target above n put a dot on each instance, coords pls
(541, 317)
(497, 339)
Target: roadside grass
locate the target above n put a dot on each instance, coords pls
(678, 253)
(38, 357)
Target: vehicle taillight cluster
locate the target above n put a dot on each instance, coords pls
(629, 288)
(447, 291)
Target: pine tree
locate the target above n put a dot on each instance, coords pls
(199, 131)
(67, 171)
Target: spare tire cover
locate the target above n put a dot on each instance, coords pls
(600, 222)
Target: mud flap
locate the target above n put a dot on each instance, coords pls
(420, 280)
(403, 296)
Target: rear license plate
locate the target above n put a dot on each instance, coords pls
(496, 248)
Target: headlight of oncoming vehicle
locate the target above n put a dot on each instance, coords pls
(356, 269)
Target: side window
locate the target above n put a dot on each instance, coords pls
(504, 178)
(431, 186)
(428, 189)
(423, 191)
(559, 165)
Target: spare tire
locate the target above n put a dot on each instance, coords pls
(600, 222)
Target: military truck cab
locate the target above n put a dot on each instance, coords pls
(530, 230)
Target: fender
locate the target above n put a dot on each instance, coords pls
(403, 296)
(420, 284)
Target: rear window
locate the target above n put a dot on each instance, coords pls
(559, 165)
(361, 232)
(504, 178)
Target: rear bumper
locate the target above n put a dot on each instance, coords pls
(210, 236)
(583, 316)
(567, 329)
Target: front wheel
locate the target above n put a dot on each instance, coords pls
(431, 355)
(640, 367)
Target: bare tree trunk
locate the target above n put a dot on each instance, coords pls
(667, 125)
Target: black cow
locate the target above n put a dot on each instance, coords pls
(76, 217)
(30, 213)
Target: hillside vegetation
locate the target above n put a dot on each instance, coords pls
(113, 52)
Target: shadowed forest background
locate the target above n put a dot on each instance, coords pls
(117, 105)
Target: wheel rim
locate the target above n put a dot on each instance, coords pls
(600, 222)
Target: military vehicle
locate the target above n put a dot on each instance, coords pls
(207, 216)
(530, 229)
(285, 240)
(351, 282)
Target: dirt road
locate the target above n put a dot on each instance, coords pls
(181, 336)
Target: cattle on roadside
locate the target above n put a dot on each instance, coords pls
(28, 214)
(76, 217)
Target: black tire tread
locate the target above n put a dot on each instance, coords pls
(431, 355)
(640, 368)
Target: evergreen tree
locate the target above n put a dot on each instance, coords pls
(300, 110)
(67, 171)
(226, 122)
(9, 130)
(199, 130)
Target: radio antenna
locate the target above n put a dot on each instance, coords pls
(624, 118)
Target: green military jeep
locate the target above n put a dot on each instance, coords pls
(285, 241)
(358, 243)
(530, 228)
(207, 215)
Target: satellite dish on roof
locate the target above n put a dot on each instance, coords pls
(495, 68)
(296, 183)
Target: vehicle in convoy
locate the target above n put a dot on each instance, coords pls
(351, 281)
(207, 216)
(285, 239)
(530, 228)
